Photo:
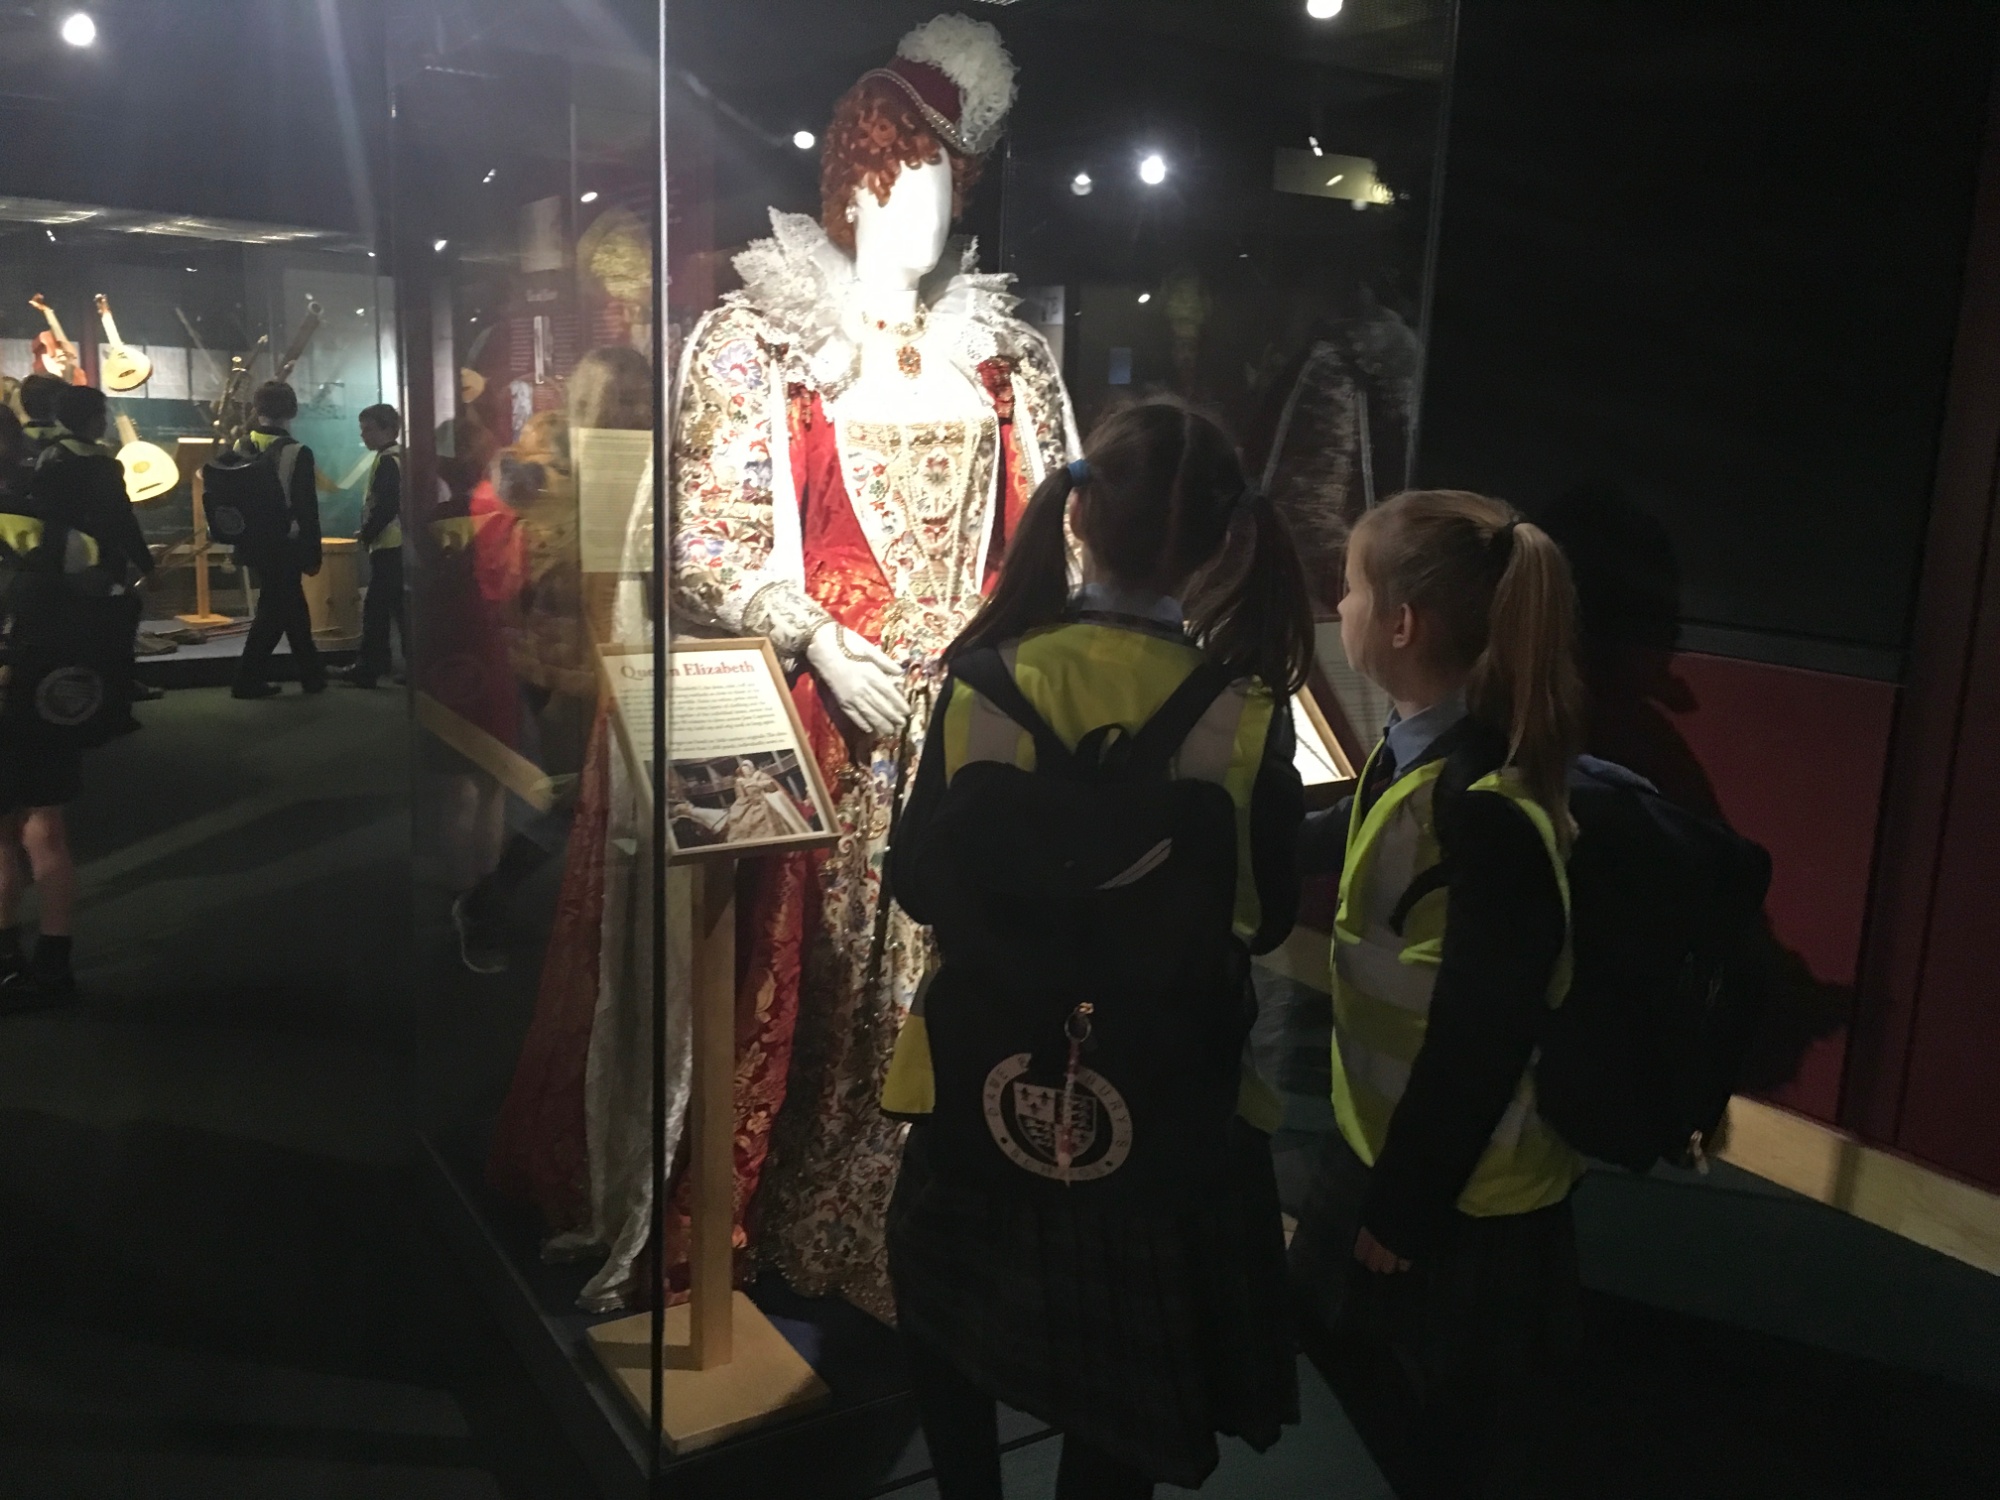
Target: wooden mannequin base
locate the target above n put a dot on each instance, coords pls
(204, 622)
(766, 1380)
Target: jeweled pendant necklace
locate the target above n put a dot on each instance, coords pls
(908, 359)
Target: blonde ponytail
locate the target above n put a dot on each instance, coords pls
(1525, 681)
(1500, 591)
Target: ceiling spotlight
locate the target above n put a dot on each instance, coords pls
(1323, 10)
(805, 140)
(1153, 170)
(589, 197)
(78, 29)
(360, 312)
(438, 245)
(190, 270)
(1313, 141)
(1081, 184)
(491, 173)
(51, 234)
(1144, 298)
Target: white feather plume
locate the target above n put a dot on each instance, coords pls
(971, 54)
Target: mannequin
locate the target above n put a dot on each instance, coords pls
(856, 433)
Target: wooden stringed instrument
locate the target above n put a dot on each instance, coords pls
(54, 353)
(150, 471)
(120, 368)
(300, 339)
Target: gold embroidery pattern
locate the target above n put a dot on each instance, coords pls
(922, 489)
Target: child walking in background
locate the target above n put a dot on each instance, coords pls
(1437, 1240)
(1103, 827)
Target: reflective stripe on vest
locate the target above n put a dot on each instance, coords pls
(1382, 986)
(23, 534)
(1078, 677)
(392, 534)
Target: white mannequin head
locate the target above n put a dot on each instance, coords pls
(897, 243)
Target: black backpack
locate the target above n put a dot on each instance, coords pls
(1087, 1023)
(247, 497)
(1671, 974)
(69, 651)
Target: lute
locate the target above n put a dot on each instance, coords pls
(54, 353)
(150, 470)
(120, 368)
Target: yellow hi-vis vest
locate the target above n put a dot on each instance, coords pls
(1081, 676)
(392, 534)
(20, 535)
(1382, 986)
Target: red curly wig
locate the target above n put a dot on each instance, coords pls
(875, 133)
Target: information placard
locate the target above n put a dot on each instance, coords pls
(740, 779)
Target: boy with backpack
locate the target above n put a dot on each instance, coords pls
(1086, 1224)
(265, 500)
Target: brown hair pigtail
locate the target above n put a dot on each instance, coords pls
(1259, 618)
(1033, 586)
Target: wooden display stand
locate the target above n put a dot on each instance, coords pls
(190, 454)
(726, 1369)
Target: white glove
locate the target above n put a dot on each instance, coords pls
(861, 681)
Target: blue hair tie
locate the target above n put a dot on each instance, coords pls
(1079, 472)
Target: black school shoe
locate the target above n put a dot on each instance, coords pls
(32, 990)
(254, 690)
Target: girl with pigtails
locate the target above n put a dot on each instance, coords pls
(1040, 1256)
(1436, 1240)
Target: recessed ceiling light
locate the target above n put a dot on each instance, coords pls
(78, 29)
(589, 197)
(1081, 184)
(1323, 10)
(491, 173)
(804, 140)
(1144, 298)
(1153, 169)
(438, 245)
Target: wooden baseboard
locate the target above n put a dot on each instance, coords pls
(1878, 1187)
(503, 763)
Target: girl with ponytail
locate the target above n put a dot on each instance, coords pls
(1438, 1229)
(1147, 579)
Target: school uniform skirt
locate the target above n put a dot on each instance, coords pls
(1143, 1332)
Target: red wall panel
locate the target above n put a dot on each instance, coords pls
(1794, 759)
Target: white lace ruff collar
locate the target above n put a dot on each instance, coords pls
(804, 287)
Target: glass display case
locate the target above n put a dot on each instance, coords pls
(733, 336)
(177, 317)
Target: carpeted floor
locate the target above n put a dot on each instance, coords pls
(212, 1282)
(215, 1280)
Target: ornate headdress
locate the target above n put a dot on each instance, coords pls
(959, 76)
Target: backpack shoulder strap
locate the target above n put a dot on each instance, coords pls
(287, 463)
(1154, 746)
(985, 672)
(1467, 762)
